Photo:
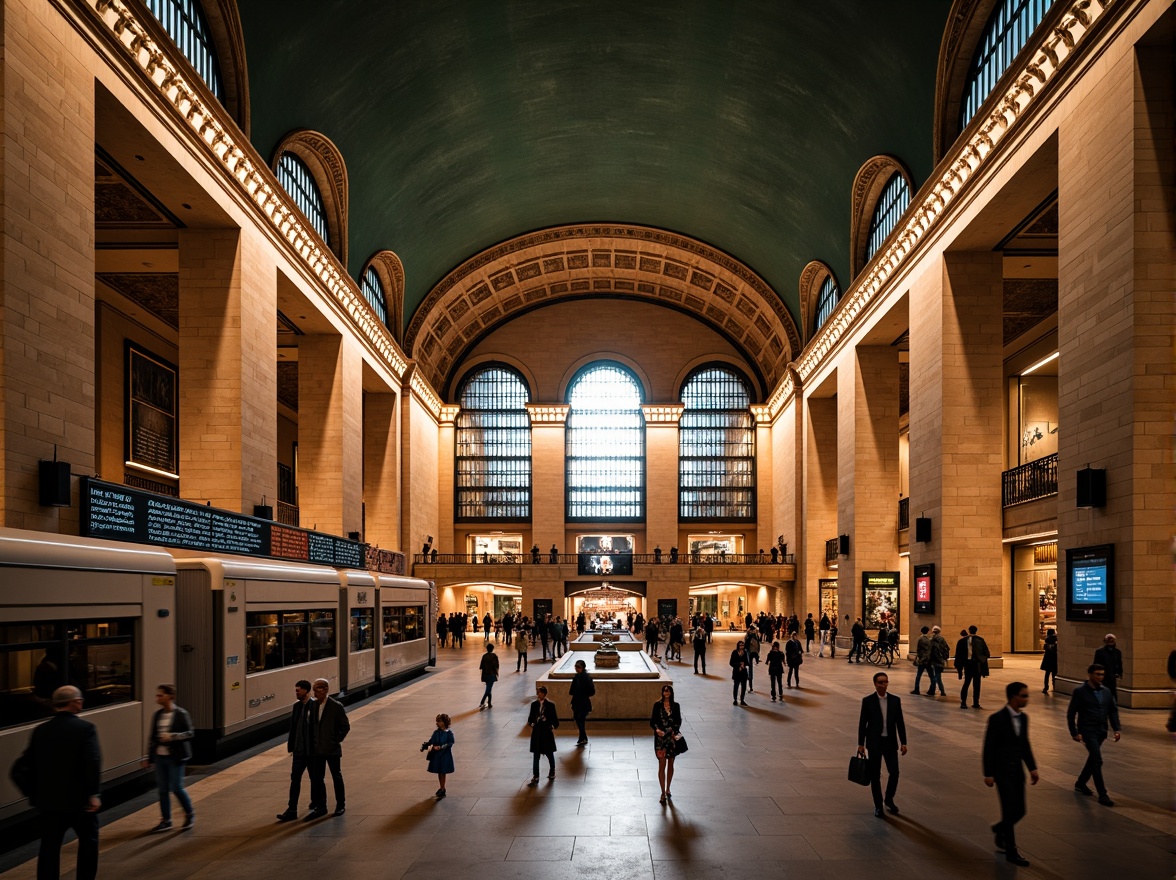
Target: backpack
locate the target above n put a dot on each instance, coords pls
(939, 650)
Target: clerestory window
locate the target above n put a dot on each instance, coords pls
(716, 448)
(297, 180)
(492, 468)
(888, 210)
(605, 446)
(827, 300)
(188, 28)
(373, 292)
(1009, 28)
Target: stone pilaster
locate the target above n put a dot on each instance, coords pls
(330, 437)
(661, 475)
(381, 470)
(548, 511)
(820, 500)
(957, 438)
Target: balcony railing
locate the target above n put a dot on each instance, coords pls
(1037, 479)
(904, 513)
(573, 559)
(287, 514)
(832, 548)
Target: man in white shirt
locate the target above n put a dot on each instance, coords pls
(882, 732)
(1006, 749)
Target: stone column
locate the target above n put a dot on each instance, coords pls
(47, 373)
(1116, 274)
(957, 438)
(661, 476)
(419, 438)
(228, 369)
(548, 512)
(330, 437)
(867, 485)
(381, 470)
(447, 479)
(820, 502)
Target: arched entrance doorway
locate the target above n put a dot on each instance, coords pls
(603, 600)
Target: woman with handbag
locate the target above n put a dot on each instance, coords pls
(668, 742)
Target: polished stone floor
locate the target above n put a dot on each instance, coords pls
(761, 793)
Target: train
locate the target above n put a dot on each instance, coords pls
(233, 634)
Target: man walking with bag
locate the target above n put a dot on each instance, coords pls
(1006, 749)
(882, 734)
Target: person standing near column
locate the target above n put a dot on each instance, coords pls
(582, 691)
(810, 633)
(169, 748)
(824, 631)
(1091, 709)
(1049, 660)
(971, 660)
(65, 764)
(1006, 749)
(882, 732)
(489, 670)
(1110, 658)
(522, 644)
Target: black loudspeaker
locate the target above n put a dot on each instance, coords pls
(55, 484)
(923, 529)
(843, 545)
(263, 511)
(1092, 487)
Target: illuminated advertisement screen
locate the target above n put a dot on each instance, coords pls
(925, 588)
(1090, 582)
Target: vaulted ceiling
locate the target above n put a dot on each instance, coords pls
(740, 123)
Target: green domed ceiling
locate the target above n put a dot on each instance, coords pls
(466, 123)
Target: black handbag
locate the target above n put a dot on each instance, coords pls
(680, 745)
(859, 770)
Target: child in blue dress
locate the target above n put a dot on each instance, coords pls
(440, 749)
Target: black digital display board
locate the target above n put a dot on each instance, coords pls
(121, 513)
(1090, 583)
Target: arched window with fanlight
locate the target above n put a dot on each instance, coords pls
(1008, 29)
(605, 446)
(373, 292)
(188, 27)
(716, 447)
(492, 467)
(297, 180)
(888, 210)
(827, 300)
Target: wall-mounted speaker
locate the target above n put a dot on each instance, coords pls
(1092, 487)
(263, 511)
(55, 484)
(923, 529)
(843, 545)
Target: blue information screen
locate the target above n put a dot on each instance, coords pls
(1090, 582)
(1090, 579)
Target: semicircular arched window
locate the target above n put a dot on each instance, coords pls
(297, 180)
(716, 448)
(186, 24)
(373, 292)
(605, 446)
(1008, 29)
(827, 300)
(888, 210)
(492, 462)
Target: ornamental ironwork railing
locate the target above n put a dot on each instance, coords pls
(904, 513)
(1037, 479)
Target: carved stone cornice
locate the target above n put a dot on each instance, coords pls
(326, 163)
(548, 413)
(568, 262)
(662, 413)
(448, 414)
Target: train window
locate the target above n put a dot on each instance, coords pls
(287, 638)
(404, 624)
(37, 658)
(362, 623)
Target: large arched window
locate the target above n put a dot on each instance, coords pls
(1009, 27)
(605, 446)
(373, 292)
(297, 180)
(826, 302)
(186, 24)
(716, 448)
(895, 199)
(492, 468)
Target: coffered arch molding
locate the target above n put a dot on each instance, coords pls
(812, 276)
(326, 164)
(868, 184)
(625, 261)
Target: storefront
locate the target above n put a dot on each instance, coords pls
(1034, 594)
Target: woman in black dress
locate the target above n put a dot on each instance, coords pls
(666, 721)
(1049, 661)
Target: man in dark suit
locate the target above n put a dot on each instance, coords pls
(971, 662)
(1006, 749)
(1092, 708)
(329, 725)
(298, 745)
(1110, 658)
(882, 733)
(67, 765)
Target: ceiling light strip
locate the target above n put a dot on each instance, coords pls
(152, 59)
(1058, 45)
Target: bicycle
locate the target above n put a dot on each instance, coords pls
(880, 655)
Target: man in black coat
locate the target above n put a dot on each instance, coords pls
(581, 691)
(1006, 754)
(1092, 708)
(971, 661)
(858, 632)
(329, 727)
(298, 745)
(67, 765)
(1110, 658)
(543, 721)
(882, 733)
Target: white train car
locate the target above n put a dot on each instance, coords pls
(358, 607)
(95, 614)
(408, 627)
(247, 630)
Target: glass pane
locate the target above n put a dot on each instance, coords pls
(185, 23)
(492, 467)
(716, 447)
(103, 670)
(393, 626)
(605, 446)
(895, 199)
(299, 183)
(1009, 28)
(362, 631)
(295, 642)
(262, 646)
(322, 635)
(28, 678)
